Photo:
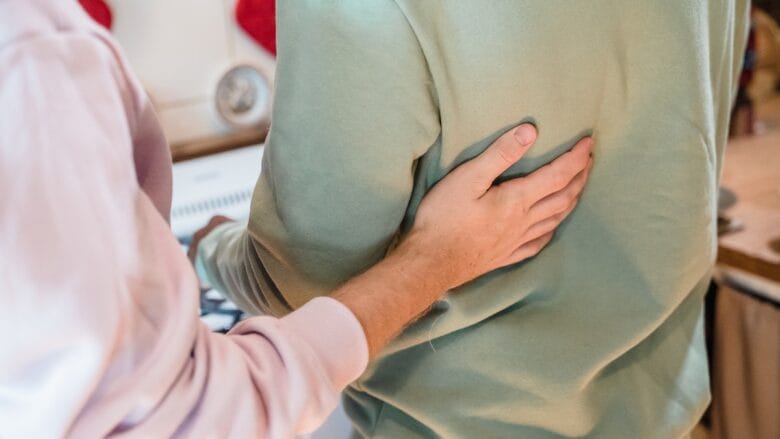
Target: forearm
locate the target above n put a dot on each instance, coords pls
(393, 293)
(284, 375)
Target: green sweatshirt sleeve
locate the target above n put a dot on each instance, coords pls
(354, 109)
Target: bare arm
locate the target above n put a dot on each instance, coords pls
(111, 340)
(465, 228)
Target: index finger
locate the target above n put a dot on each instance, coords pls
(554, 176)
(500, 155)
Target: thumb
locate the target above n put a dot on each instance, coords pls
(501, 154)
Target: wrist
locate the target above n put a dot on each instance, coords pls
(430, 262)
(396, 291)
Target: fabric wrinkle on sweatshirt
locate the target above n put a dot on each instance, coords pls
(100, 329)
(600, 335)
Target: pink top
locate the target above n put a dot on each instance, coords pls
(99, 332)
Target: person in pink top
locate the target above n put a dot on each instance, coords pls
(100, 335)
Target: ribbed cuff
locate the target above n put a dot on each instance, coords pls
(335, 334)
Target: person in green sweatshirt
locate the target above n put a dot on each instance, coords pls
(600, 335)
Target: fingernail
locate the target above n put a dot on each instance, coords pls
(589, 142)
(525, 134)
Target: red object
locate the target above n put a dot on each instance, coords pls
(258, 19)
(99, 11)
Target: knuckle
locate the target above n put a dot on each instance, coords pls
(561, 204)
(577, 187)
(517, 200)
(574, 167)
(559, 179)
(573, 203)
(479, 176)
(523, 206)
(510, 211)
(571, 194)
(505, 154)
(521, 256)
(545, 240)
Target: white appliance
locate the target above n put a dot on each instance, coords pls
(181, 50)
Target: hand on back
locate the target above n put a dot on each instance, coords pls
(471, 226)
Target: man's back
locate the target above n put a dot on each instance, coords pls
(599, 335)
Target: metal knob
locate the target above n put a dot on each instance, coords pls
(242, 98)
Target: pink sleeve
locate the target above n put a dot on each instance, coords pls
(99, 334)
(295, 366)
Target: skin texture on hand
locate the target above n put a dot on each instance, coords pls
(467, 226)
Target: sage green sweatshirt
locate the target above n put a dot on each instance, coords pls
(600, 335)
